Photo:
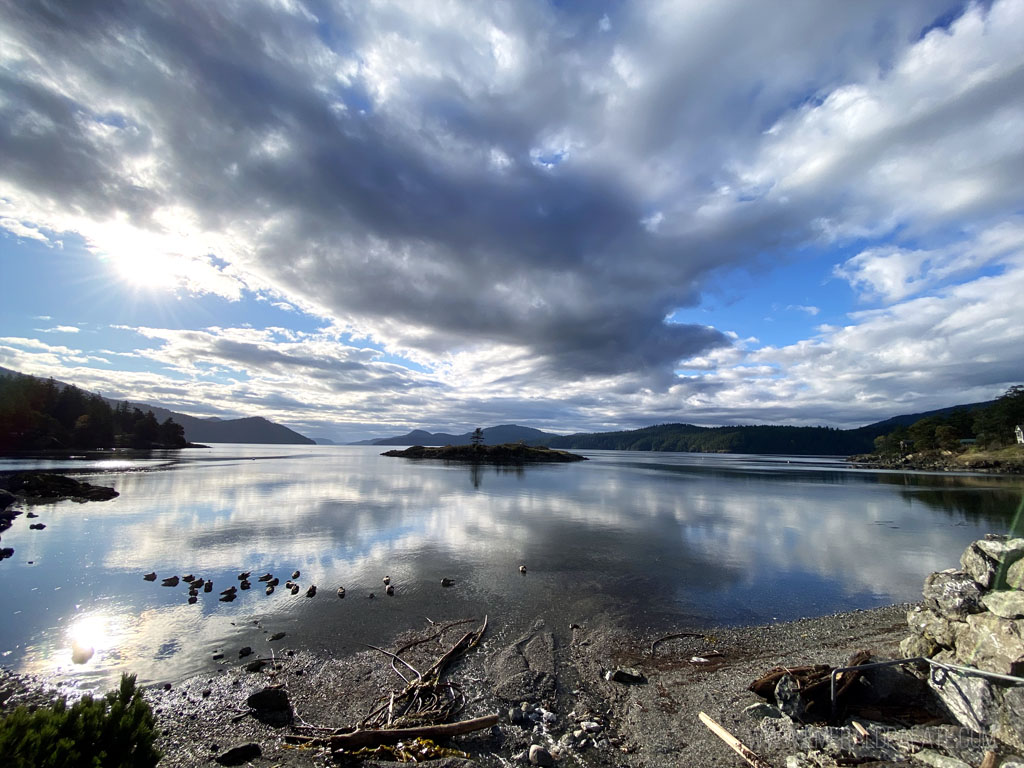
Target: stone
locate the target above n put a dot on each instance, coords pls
(993, 644)
(761, 710)
(6, 499)
(1006, 603)
(526, 669)
(952, 594)
(916, 646)
(968, 698)
(939, 760)
(788, 698)
(988, 560)
(1015, 575)
(540, 756)
(271, 705)
(1009, 720)
(240, 754)
(627, 676)
(928, 623)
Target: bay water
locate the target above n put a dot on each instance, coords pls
(656, 541)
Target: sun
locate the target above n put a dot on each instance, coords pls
(149, 272)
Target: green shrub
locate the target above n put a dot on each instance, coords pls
(115, 731)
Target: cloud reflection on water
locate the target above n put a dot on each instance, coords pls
(651, 538)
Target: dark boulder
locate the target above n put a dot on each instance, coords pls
(271, 706)
(239, 755)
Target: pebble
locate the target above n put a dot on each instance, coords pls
(540, 756)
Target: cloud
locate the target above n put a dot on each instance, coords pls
(60, 329)
(893, 273)
(19, 229)
(810, 310)
(515, 197)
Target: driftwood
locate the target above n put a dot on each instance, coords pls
(427, 700)
(419, 711)
(738, 746)
(814, 684)
(378, 736)
(673, 636)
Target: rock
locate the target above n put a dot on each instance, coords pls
(1009, 720)
(37, 526)
(940, 630)
(952, 594)
(918, 646)
(6, 552)
(939, 760)
(1006, 603)
(240, 754)
(517, 717)
(627, 675)
(277, 636)
(243, 652)
(526, 669)
(993, 644)
(42, 485)
(788, 698)
(271, 706)
(761, 710)
(6, 499)
(967, 698)
(540, 756)
(988, 560)
(1015, 575)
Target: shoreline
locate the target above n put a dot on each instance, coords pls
(557, 670)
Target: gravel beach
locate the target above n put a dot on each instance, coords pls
(552, 680)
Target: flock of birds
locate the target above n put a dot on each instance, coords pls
(197, 584)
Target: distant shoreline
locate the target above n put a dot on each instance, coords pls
(1005, 462)
(510, 453)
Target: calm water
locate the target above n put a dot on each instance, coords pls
(664, 541)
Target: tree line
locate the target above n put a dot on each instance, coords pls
(689, 438)
(38, 414)
(991, 427)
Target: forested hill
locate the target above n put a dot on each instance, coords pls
(744, 439)
(253, 429)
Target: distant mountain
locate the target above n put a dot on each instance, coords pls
(253, 429)
(323, 441)
(504, 433)
(766, 439)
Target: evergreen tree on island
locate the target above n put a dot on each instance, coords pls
(477, 438)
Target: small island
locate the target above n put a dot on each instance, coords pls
(509, 453)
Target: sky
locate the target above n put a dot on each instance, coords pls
(358, 218)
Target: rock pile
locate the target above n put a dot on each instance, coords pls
(974, 617)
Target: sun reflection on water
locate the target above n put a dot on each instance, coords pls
(87, 635)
